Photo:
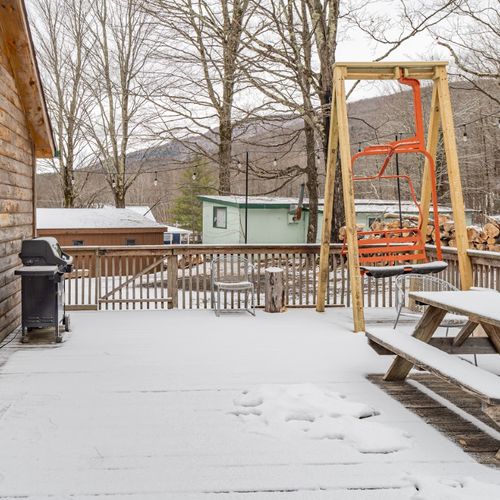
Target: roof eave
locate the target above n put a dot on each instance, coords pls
(15, 28)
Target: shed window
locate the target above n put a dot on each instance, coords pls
(78, 243)
(220, 217)
(130, 242)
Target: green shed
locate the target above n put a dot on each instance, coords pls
(271, 219)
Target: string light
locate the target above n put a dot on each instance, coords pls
(155, 182)
(183, 166)
(194, 176)
(72, 178)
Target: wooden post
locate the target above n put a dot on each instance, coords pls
(172, 270)
(97, 273)
(493, 333)
(355, 277)
(331, 163)
(427, 325)
(432, 143)
(456, 195)
(275, 290)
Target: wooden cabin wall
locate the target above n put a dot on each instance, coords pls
(104, 237)
(16, 194)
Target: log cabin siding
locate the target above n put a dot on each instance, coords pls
(16, 193)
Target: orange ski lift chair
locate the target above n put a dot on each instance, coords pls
(392, 252)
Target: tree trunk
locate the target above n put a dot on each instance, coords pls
(327, 52)
(225, 137)
(119, 200)
(68, 186)
(69, 195)
(275, 290)
(441, 171)
(312, 183)
(338, 216)
(119, 194)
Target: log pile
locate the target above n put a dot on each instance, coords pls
(485, 237)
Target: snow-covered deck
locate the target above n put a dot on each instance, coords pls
(151, 405)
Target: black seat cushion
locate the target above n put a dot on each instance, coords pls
(387, 271)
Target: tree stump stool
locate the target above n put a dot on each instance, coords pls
(275, 290)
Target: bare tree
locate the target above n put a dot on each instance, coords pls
(471, 36)
(283, 72)
(119, 36)
(202, 45)
(60, 29)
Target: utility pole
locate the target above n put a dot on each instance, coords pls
(399, 186)
(246, 197)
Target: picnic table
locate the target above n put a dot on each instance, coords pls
(481, 307)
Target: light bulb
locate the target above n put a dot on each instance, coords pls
(275, 163)
(155, 182)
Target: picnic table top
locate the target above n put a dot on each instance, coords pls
(481, 305)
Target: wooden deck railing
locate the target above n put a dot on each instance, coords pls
(178, 276)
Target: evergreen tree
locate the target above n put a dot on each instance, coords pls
(188, 210)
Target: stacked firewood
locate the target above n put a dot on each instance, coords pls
(485, 237)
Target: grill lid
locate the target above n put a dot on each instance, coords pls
(45, 251)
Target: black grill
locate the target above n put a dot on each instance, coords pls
(42, 275)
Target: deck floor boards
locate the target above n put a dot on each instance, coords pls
(465, 434)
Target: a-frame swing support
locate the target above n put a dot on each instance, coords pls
(339, 143)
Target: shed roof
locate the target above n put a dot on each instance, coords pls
(362, 205)
(143, 210)
(16, 34)
(253, 201)
(93, 218)
(383, 206)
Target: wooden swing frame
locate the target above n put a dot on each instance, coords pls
(339, 143)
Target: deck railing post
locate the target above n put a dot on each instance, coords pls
(172, 279)
(97, 278)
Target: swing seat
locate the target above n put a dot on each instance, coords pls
(397, 251)
(389, 271)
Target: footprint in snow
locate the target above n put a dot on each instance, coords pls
(308, 411)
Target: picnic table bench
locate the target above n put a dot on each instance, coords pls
(482, 308)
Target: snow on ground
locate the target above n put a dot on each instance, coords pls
(308, 411)
(183, 405)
